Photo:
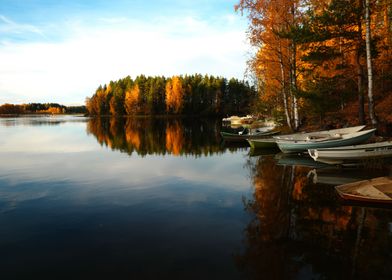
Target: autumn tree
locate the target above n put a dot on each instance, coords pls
(116, 102)
(340, 47)
(276, 61)
(174, 95)
(313, 55)
(132, 100)
(11, 109)
(100, 103)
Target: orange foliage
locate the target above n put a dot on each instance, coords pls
(52, 110)
(273, 61)
(384, 108)
(174, 138)
(174, 95)
(132, 100)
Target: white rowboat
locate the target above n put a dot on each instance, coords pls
(290, 146)
(338, 155)
(319, 134)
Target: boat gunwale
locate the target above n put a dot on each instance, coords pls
(292, 137)
(343, 137)
(244, 136)
(356, 147)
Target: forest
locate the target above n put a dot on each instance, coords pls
(322, 60)
(178, 95)
(40, 108)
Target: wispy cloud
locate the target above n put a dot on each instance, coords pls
(8, 26)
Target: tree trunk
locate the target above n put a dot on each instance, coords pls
(293, 80)
(361, 103)
(369, 65)
(284, 93)
(361, 110)
(293, 72)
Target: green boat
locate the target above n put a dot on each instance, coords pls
(299, 146)
(262, 143)
(236, 137)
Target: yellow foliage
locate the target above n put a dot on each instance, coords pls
(52, 110)
(174, 95)
(132, 100)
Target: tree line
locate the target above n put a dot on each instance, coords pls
(316, 57)
(41, 108)
(178, 95)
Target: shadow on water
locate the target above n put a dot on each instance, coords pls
(160, 136)
(302, 230)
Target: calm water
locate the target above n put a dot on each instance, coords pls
(157, 199)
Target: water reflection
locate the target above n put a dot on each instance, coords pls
(40, 120)
(159, 136)
(301, 230)
(71, 209)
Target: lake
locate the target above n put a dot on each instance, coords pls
(163, 198)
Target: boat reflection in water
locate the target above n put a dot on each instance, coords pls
(302, 230)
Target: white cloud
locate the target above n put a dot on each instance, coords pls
(68, 71)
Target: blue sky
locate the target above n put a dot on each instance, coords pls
(60, 51)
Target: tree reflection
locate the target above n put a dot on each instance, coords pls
(174, 137)
(301, 230)
(160, 136)
(132, 135)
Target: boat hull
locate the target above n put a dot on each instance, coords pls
(266, 143)
(351, 153)
(243, 137)
(303, 145)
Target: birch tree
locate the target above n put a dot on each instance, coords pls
(369, 64)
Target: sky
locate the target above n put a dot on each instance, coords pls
(62, 50)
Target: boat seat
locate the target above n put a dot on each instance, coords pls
(322, 139)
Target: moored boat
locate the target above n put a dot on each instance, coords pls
(338, 155)
(320, 134)
(377, 190)
(290, 146)
(262, 143)
(227, 136)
